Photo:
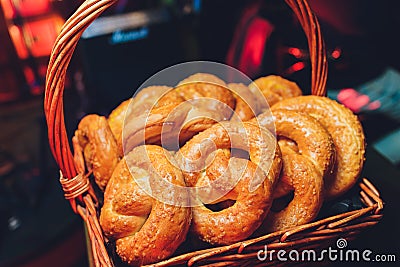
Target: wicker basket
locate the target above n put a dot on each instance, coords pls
(316, 235)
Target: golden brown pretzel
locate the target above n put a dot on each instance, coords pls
(306, 161)
(275, 88)
(311, 139)
(94, 144)
(116, 122)
(202, 77)
(305, 180)
(145, 229)
(194, 105)
(153, 96)
(204, 85)
(246, 103)
(251, 206)
(143, 101)
(347, 135)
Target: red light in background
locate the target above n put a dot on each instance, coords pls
(295, 67)
(374, 105)
(27, 8)
(296, 52)
(360, 102)
(33, 27)
(257, 47)
(19, 42)
(354, 100)
(336, 53)
(298, 66)
(41, 34)
(252, 54)
(347, 93)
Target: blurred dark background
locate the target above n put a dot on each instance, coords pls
(135, 39)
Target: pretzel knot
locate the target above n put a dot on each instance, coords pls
(95, 146)
(145, 229)
(308, 155)
(347, 135)
(230, 161)
(177, 114)
(275, 88)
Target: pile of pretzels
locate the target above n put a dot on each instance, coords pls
(210, 160)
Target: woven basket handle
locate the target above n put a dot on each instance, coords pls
(70, 34)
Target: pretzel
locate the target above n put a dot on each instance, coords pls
(116, 122)
(307, 159)
(145, 229)
(143, 101)
(249, 182)
(247, 105)
(307, 184)
(194, 105)
(275, 88)
(95, 145)
(347, 135)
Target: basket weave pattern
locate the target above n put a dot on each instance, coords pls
(78, 190)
